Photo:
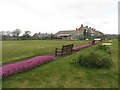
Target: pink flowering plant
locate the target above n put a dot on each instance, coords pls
(77, 48)
(9, 69)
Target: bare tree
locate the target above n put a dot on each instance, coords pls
(8, 33)
(26, 35)
(3, 35)
(27, 32)
(16, 33)
(3, 32)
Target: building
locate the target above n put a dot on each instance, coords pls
(79, 33)
(42, 36)
(68, 34)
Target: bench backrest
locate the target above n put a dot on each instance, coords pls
(67, 48)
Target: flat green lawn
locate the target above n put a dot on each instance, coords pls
(62, 74)
(17, 50)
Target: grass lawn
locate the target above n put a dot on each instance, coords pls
(62, 74)
(17, 50)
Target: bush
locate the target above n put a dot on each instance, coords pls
(107, 49)
(101, 47)
(95, 60)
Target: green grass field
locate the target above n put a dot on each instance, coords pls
(17, 50)
(61, 73)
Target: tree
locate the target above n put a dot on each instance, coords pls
(16, 33)
(3, 32)
(5, 35)
(8, 33)
(27, 32)
(26, 35)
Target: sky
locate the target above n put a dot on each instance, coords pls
(51, 16)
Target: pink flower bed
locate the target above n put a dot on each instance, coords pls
(24, 65)
(77, 48)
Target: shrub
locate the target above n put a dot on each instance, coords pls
(95, 60)
(101, 47)
(105, 48)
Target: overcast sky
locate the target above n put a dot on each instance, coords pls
(51, 16)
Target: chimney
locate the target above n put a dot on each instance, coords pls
(81, 25)
(86, 26)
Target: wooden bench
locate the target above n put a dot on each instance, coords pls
(66, 49)
(93, 42)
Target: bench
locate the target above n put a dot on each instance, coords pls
(66, 49)
(93, 42)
